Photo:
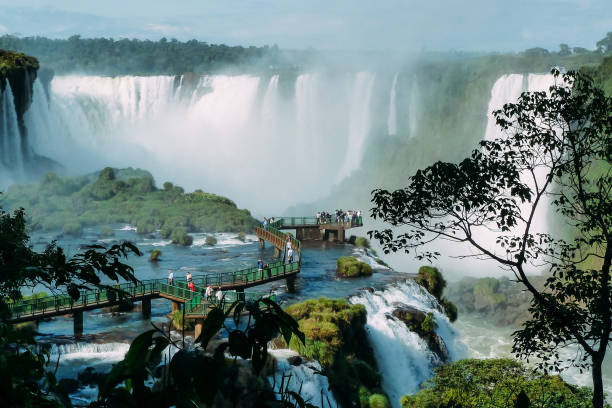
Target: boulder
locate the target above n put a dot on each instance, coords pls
(423, 324)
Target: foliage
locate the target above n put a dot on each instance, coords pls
(429, 324)
(131, 56)
(15, 61)
(177, 321)
(106, 231)
(155, 255)
(500, 383)
(211, 240)
(24, 379)
(124, 196)
(565, 135)
(335, 333)
(74, 229)
(362, 242)
(350, 267)
(432, 280)
(181, 237)
(450, 309)
(378, 401)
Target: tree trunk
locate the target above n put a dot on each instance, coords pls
(598, 393)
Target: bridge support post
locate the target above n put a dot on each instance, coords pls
(277, 252)
(146, 307)
(240, 294)
(290, 282)
(199, 324)
(77, 318)
(262, 243)
(341, 235)
(175, 306)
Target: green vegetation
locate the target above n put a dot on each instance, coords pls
(74, 229)
(132, 56)
(350, 267)
(211, 240)
(106, 231)
(177, 321)
(155, 255)
(495, 383)
(431, 279)
(362, 242)
(335, 336)
(12, 62)
(124, 196)
(377, 401)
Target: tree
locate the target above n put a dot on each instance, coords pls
(558, 148)
(564, 50)
(605, 44)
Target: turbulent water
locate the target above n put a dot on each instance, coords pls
(11, 153)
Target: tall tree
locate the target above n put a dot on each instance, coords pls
(558, 150)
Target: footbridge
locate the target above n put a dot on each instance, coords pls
(194, 305)
(316, 228)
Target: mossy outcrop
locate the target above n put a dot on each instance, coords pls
(350, 267)
(155, 255)
(423, 324)
(125, 196)
(431, 279)
(336, 337)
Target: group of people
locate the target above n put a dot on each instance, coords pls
(349, 217)
(207, 293)
(267, 222)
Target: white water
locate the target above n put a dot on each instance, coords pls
(233, 135)
(403, 358)
(312, 387)
(11, 155)
(392, 118)
(506, 89)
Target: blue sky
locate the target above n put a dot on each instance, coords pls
(434, 25)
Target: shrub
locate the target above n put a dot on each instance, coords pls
(181, 237)
(378, 401)
(432, 280)
(211, 240)
(362, 242)
(429, 324)
(450, 309)
(106, 231)
(177, 321)
(350, 267)
(145, 227)
(155, 255)
(74, 229)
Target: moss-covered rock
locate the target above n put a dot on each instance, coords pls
(424, 325)
(155, 255)
(432, 280)
(181, 237)
(210, 240)
(350, 267)
(106, 231)
(335, 335)
(362, 242)
(74, 229)
(177, 321)
(378, 401)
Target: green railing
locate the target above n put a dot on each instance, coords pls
(301, 221)
(199, 306)
(179, 289)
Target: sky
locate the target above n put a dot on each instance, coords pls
(394, 25)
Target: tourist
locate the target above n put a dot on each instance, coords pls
(260, 266)
(189, 277)
(318, 218)
(290, 255)
(191, 286)
(265, 224)
(171, 278)
(288, 246)
(209, 293)
(219, 295)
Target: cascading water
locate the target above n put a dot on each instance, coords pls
(404, 359)
(11, 157)
(392, 118)
(506, 89)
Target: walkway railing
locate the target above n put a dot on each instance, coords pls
(286, 222)
(199, 306)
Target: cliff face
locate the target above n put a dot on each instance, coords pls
(18, 70)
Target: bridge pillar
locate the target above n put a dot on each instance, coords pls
(240, 293)
(277, 252)
(262, 243)
(175, 306)
(199, 324)
(290, 282)
(146, 307)
(77, 318)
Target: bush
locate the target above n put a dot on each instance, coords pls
(429, 324)
(74, 229)
(378, 401)
(350, 267)
(155, 255)
(450, 309)
(432, 280)
(362, 242)
(211, 240)
(177, 321)
(181, 237)
(474, 383)
(145, 227)
(106, 231)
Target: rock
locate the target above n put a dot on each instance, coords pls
(89, 376)
(350, 267)
(155, 255)
(68, 385)
(423, 325)
(295, 360)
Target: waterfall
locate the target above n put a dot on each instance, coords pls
(413, 107)
(269, 106)
(506, 89)
(404, 359)
(89, 353)
(392, 118)
(314, 387)
(11, 157)
(359, 122)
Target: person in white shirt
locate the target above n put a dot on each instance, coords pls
(209, 293)
(171, 278)
(219, 295)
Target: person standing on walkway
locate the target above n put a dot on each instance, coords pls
(290, 255)
(191, 286)
(265, 224)
(171, 278)
(209, 293)
(188, 276)
(219, 295)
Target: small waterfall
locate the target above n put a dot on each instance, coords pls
(89, 353)
(11, 157)
(359, 122)
(404, 359)
(413, 107)
(392, 118)
(506, 89)
(314, 387)
(269, 107)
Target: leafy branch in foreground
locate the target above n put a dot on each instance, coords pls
(558, 150)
